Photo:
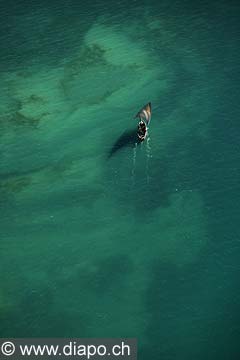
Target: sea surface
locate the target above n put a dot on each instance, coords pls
(101, 237)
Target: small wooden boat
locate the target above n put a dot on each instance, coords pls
(144, 116)
(142, 130)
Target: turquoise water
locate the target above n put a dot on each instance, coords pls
(100, 237)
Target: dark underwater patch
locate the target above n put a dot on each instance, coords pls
(109, 274)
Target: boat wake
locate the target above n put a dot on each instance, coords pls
(144, 116)
(146, 152)
(134, 164)
(149, 155)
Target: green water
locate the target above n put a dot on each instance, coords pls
(100, 237)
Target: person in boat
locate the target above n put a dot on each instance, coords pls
(142, 129)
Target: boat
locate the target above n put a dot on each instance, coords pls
(144, 116)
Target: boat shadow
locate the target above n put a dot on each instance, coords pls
(127, 139)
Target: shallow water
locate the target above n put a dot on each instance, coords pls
(100, 237)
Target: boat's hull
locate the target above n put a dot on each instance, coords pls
(142, 137)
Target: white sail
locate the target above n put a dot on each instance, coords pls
(145, 113)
